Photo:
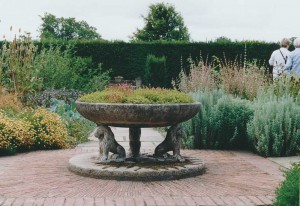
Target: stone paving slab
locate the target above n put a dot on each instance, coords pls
(231, 178)
(285, 162)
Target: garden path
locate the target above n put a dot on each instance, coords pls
(231, 178)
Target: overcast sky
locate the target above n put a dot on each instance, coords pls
(267, 20)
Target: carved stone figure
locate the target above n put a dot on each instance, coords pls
(171, 143)
(108, 143)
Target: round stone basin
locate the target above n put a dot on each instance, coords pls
(137, 115)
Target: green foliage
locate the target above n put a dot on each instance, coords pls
(199, 126)
(137, 100)
(162, 23)
(275, 127)
(15, 134)
(78, 127)
(97, 81)
(139, 96)
(229, 123)
(66, 28)
(129, 59)
(34, 129)
(59, 68)
(155, 71)
(31, 130)
(288, 192)
(188, 142)
(17, 71)
(223, 39)
(221, 123)
(287, 84)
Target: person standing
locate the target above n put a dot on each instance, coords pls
(293, 63)
(279, 58)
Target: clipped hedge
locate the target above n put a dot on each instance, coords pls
(129, 59)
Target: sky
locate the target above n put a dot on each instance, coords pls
(206, 20)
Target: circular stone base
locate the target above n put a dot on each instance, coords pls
(88, 165)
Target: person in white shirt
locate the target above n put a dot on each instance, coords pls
(293, 63)
(279, 58)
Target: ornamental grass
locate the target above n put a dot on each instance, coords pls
(239, 79)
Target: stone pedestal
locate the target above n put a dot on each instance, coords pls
(160, 164)
(134, 141)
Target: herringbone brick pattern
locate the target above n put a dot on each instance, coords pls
(231, 178)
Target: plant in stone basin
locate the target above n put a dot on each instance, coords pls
(121, 94)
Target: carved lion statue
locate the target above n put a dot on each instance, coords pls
(171, 143)
(108, 143)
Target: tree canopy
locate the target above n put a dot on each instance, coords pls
(162, 23)
(223, 39)
(66, 28)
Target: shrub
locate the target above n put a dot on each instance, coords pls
(59, 69)
(287, 193)
(78, 127)
(15, 135)
(287, 84)
(45, 97)
(155, 71)
(42, 129)
(221, 122)
(50, 131)
(230, 119)
(197, 127)
(139, 96)
(275, 127)
(97, 81)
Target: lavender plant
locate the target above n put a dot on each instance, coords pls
(275, 127)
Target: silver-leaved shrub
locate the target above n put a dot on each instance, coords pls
(275, 127)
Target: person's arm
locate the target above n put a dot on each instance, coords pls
(271, 60)
(289, 63)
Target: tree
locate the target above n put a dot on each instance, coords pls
(66, 28)
(223, 39)
(162, 23)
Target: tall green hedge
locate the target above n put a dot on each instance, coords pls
(128, 59)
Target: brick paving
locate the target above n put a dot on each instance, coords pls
(231, 178)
